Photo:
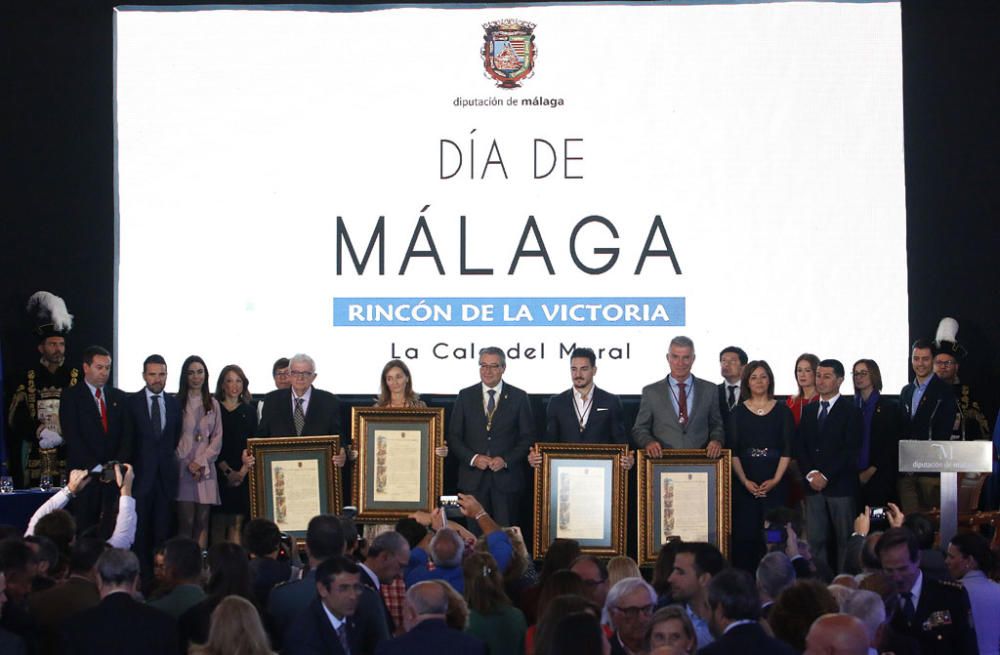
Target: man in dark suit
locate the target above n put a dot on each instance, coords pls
(829, 439)
(287, 602)
(735, 612)
(491, 433)
(302, 409)
(929, 411)
(732, 359)
(386, 559)
(78, 592)
(327, 626)
(156, 423)
(426, 631)
(97, 430)
(681, 411)
(934, 612)
(119, 624)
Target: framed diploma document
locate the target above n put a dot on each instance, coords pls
(683, 495)
(397, 471)
(293, 480)
(580, 494)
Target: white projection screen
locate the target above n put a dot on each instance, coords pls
(362, 183)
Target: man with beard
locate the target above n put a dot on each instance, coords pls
(36, 443)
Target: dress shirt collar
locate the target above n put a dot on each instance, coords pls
(150, 394)
(579, 396)
(688, 382)
(334, 621)
(93, 390)
(833, 400)
(918, 586)
(371, 574)
(498, 389)
(735, 624)
(305, 398)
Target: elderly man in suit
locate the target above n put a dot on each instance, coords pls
(427, 633)
(491, 432)
(97, 429)
(301, 409)
(829, 440)
(156, 422)
(681, 411)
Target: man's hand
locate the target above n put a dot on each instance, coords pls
(441, 451)
(125, 479)
(895, 516)
(340, 459)
(628, 461)
(481, 462)
(439, 520)
(470, 506)
(654, 449)
(78, 479)
(863, 523)
(714, 449)
(422, 517)
(791, 542)
(498, 464)
(867, 474)
(534, 457)
(817, 481)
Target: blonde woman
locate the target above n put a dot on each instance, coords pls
(236, 630)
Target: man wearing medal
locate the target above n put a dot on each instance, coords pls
(583, 413)
(491, 432)
(37, 443)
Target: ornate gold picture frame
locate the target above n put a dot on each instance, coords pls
(396, 472)
(580, 494)
(685, 495)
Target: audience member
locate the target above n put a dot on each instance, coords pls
(182, 559)
(19, 565)
(969, 558)
(695, 563)
(867, 607)
(630, 605)
(662, 570)
(580, 634)
(595, 577)
(47, 556)
(735, 613)
(119, 623)
(228, 575)
(671, 626)
(326, 625)
(520, 574)
(388, 556)
(492, 618)
(559, 556)
(262, 539)
(796, 608)
(932, 560)
(10, 643)
(457, 616)
(555, 610)
(837, 634)
(235, 629)
(621, 567)
(427, 632)
(775, 573)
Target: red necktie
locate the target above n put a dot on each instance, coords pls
(682, 403)
(104, 409)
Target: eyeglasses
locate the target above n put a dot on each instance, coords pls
(301, 374)
(489, 367)
(947, 364)
(635, 612)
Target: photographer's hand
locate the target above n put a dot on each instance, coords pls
(125, 480)
(863, 524)
(78, 479)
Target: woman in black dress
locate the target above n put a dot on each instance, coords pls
(760, 437)
(239, 422)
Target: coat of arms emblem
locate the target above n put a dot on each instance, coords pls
(509, 51)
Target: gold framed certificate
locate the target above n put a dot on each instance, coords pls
(580, 494)
(683, 495)
(397, 472)
(294, 480)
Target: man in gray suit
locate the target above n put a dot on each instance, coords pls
(681, 411)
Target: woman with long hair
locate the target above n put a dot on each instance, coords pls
(239, 422)
(878, 459)
(199, 446)
(760, 436)
(805, 379)
(492, 617)
(236, 629)
(228, 575)
(396, 392)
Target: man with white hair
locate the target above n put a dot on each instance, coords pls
(426, 630)
(775, 573)
(629, 605)
(869, 608)
(837, 634)
(302, 410)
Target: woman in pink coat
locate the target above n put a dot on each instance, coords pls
(197, 450)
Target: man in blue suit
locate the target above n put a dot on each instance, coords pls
(327, 625)
(829, 440)
(156, 423)
(491, 433)
(427, 633)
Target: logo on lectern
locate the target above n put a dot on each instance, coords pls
(509, 52)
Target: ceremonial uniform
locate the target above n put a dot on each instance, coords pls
(941, 622)
(972, 423)
(36, 404)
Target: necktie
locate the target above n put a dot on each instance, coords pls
(909, 611)
(299, 417)
(154, 417)
(732, 396)
(491, 404)
(103, 407)
(682, 403)
(342, 636)
(824, 409)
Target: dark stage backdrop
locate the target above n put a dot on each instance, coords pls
(58, 214)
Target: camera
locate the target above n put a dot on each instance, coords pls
(878, 519)
(106, 472)
(452, 509)
(775, 535)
